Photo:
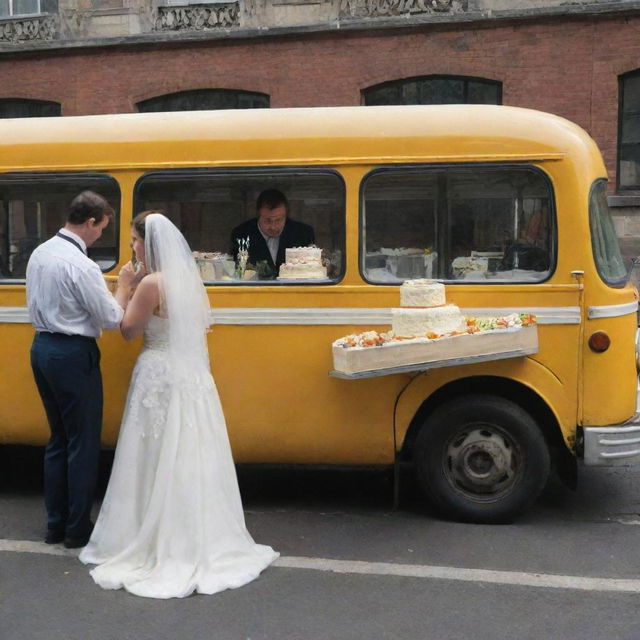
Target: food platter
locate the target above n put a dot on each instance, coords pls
(423, 354)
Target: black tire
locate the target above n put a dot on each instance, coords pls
(481, 458)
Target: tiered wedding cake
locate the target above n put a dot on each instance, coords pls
(428, 331)
(424, 310)
(302, 263)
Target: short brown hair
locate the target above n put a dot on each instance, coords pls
(88, 205)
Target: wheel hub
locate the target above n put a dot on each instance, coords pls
(481, 461)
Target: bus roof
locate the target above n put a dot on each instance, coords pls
(316, 136)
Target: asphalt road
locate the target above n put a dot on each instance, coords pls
(353, 568)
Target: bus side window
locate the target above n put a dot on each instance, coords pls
(457, 223)
(34, 207)
(217, 213)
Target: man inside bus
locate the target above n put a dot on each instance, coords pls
(270, 233)
(69, 305)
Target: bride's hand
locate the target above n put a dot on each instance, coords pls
(128, 277)
(140, 270)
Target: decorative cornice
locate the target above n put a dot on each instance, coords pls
(38, 28)
(386, 8)
(222, 20)
(197, 17)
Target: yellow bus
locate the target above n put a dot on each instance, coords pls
(505, 206)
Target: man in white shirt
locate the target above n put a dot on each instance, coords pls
(69, 306)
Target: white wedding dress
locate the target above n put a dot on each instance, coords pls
(171, 522)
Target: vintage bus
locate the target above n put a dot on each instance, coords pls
(506, 206)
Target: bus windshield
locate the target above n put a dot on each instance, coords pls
(604, 241)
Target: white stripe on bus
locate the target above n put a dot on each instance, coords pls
(335, 315)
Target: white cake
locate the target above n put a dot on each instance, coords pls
(419, 322)
(302, 263)
(422, 293)
(424, 311)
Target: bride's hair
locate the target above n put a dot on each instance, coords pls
(138, 222)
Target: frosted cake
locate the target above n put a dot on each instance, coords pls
(302, 263)
(424, 311)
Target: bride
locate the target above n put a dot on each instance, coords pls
(171, 522)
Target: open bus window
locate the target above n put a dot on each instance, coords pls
(457, 223)
(210, 206)
(33, 208)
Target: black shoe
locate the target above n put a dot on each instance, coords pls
(54, 536)
(75, 543)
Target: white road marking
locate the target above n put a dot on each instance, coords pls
(29, 546)
(521, 578)
(518, 578)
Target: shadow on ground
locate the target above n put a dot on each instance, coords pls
(274, 487)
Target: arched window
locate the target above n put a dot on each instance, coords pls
(19, 108)
(200, 99)
(629, 131)
(434, 90)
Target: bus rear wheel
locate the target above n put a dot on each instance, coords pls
(481, 458)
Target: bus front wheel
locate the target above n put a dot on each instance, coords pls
(481, 458)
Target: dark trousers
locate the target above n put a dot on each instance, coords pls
(67, 374)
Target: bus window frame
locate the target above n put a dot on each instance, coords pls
(41, 176)
(268, 172)
(469, 166)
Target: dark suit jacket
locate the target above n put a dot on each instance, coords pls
(294, 234)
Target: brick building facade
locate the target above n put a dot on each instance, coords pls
(565, 58)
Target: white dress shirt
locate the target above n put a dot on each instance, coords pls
(272, 244)
(66, 292)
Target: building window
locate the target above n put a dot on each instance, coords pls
(434, 90)
(10, 8)
(629, 131)
(17, 108)
(202, 99)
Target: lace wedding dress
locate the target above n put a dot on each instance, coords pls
(171, 522)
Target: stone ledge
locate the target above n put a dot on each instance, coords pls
(624, 200)
(404, 21)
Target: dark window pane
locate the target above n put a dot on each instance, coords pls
(457, 224)
(631, 93)
(14, 108)
(203, 99)
(629, 142)
(631, 128)
(483, 93)
(443, 91)
(4, 8)
(33, 208)
(434, 90)
(49, 6)
(383, 95)
(23, 7)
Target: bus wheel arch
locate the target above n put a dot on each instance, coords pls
(482, 448)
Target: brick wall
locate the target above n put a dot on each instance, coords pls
(568, 66)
